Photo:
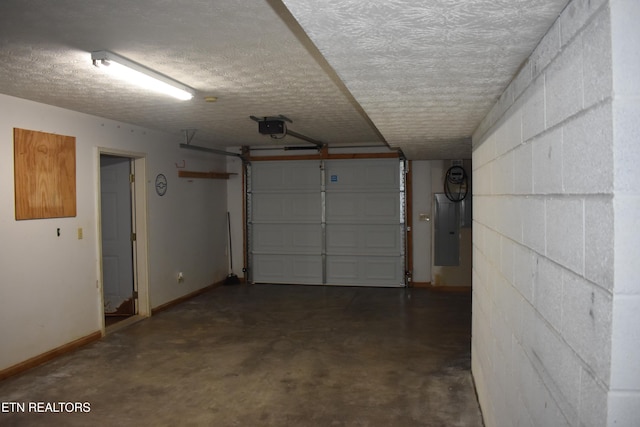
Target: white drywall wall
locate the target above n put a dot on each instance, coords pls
(50, 292)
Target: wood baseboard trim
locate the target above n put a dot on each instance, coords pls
(184, 298)
(420, 285)
(436, 288)
(454, 289)
(49, 355)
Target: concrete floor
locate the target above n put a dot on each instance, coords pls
(270, 355)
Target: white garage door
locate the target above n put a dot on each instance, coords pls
(335, 222)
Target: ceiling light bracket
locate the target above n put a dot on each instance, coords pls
(188, 135)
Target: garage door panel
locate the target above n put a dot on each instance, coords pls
(279, 268)
(296, 176)
(363, 208)
(387, 269)
(362, 175)
(307, 269)
(382, 207)
(365, 270)
(343, 238)
(364, 239)
(307, 207)
(267, 238)
(287, 208)
(342, 270)
(287, 238)
(384, 238)
(342, 207)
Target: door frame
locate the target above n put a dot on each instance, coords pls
(140, 256)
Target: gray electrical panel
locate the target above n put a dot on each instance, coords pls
(447, 231)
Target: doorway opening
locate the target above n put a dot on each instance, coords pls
(123, 254)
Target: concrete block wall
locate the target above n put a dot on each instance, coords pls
(556, 299)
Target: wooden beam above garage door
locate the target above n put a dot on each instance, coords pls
(323, 155)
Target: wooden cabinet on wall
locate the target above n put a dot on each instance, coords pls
(45, 175)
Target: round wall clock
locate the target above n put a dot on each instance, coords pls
(161, 184)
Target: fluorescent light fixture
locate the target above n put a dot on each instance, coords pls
(140, 75)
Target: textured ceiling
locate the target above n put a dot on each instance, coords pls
(418, 75)
(426, 72)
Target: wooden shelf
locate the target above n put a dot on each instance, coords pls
(205, 175)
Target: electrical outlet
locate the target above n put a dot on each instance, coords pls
(80, 233)
(180, 277)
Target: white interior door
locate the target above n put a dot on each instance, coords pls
(117, 243)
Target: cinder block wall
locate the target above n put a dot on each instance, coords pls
(546, 283)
